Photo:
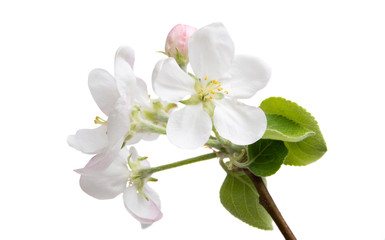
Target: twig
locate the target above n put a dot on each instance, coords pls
(267, 202)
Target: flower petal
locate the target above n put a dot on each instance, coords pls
(134, 156)
(247, 75)
(189, 127)
(211, 51)
(145, 211)
(141, 95)
(90, 141)
(110, 182)
(103, 89)
(124, 74)
(100, 161)
(134, 139)
(118, 122)
(148, 136)
(170, 82)
(124, 54)
(239, 123)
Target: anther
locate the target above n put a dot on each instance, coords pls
(212, 91)
(201, 90)
(226, 92)
(215, 81)
(206, 78)
(99, 120)
(200, 95)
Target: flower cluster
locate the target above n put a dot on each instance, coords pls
(212, 114)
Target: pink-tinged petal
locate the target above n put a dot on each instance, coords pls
(110, 182)
(211, 51)
(189, 127)
(247, 75)
(145, 211)
(177, 40)
(100, 161)
(103, 89)
(151, 194)
(170, 82)
(239, 123)
(118, 122)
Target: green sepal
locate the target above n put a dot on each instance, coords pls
(193, 100)
(239, 196)
(157, 105)
(182, 62)
(311, 148)
(209, 107)
(155, 117)
(281, 128)
(170, 106)
(162, 52)
(266, 156)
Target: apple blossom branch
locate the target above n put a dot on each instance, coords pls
(267, 202)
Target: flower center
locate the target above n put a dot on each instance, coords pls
(211, 88)
(99, 120)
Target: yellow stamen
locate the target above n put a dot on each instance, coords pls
(200, 95)
(215, 81)
(206, 78)
(212, 91)
(211, 97)
(226, 92)
(99, 120)
(207, 99)
(201, 90)
(220, 89)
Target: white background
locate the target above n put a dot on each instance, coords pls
(329, 56)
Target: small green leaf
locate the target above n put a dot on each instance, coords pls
(239, 196)
(309, 149)
(281, 128)
(266, 156)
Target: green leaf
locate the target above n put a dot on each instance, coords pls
(281, 128)
(239, 196)
(309, 149)
(266, 156)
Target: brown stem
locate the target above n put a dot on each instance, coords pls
(267, 202)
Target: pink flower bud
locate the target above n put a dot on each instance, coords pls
(177, 41)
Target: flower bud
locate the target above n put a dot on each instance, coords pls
(177, 43)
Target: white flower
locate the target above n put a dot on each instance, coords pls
(140, 200)
(116, 97)
(222, 78)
